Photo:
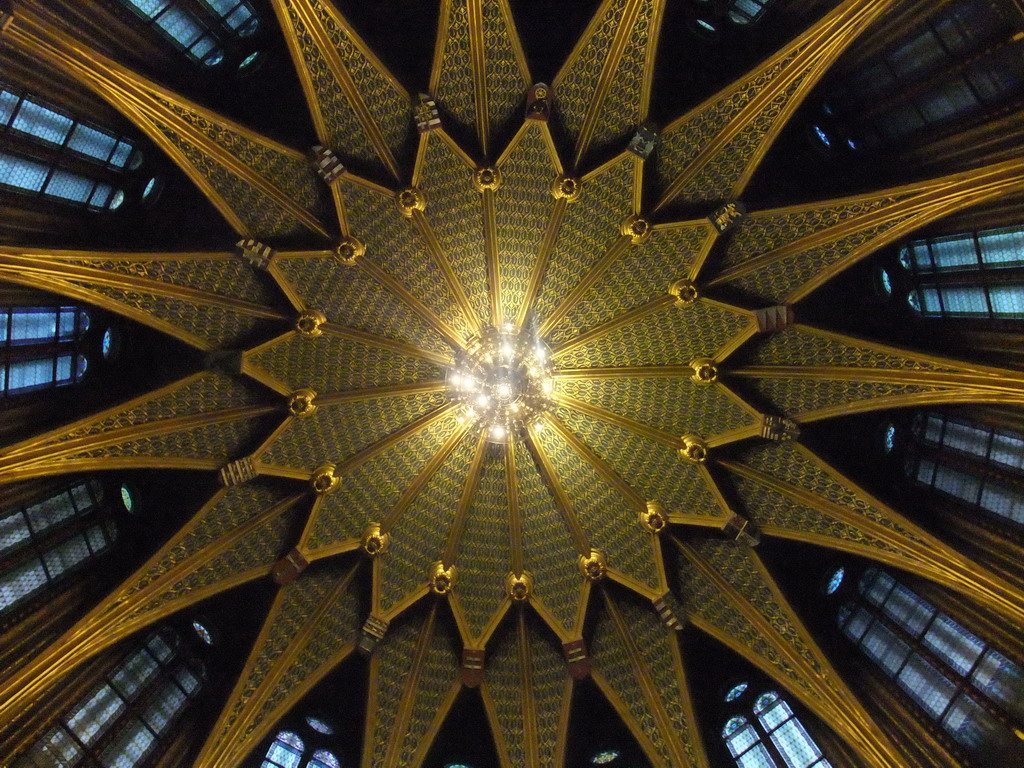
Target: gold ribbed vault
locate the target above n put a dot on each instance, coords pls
(345, 398)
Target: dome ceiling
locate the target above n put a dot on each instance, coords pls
(514, 370)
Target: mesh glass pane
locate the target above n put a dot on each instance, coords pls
(20, 582)
(1001, 680)
(51, 512)
(928, 687)
(795, 745)
(1003, 500)
(8, 103)
(775, 715)
(149, 8)
(160, 648)
(134, 673)
(324, 759)
(875, 585)
(92, 143)
(1007, 449)
(13, 530)
(129, 747)
(885, 648)
(56, 748)
(42, 123)
(96, 713)
(31, 325)
(757, 757)
(166, 705)
(973, 727)
(908, 610)
(180, 25)
(741, 740)
(187, 679)
(953, 254)
(1007, 300)
(953, 644)
(966, 438)
(956, 483)
(1002, 248)
(21, 173)
(964, 300)
(950, 99)
(70, 186)
(66, 555)
(284, 755)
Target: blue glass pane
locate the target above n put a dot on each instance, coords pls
(1007, 300)
(92, 143)
(954, 253)
(21, 173)
(741, 740)
(764, 701)
(953, 644)
(823, 137)
(733, 725)
(239, 18)
(319, 726)
(886, 281)
(8, 102)
(64, 369)
(180, 25)
(70, 186)
(736, 691)
(795, 745)
(30, 374)
(31, 325)
(1001, 680)
(323, 759)
(1002, 248)
(203, 46)
(42, 123)
(202, 632)
(757, 757)
(107, 344)
(605, 757)
(889, 440)
(928, 687)
(149, 8)
(121, 154)
(835, 582)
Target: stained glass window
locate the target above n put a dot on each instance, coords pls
(980, 465)
(835, 581)
(745, 11)
(43, 542)
(236, 15)
(736, 691)
(128, 714)
(323, 759)
(605, 757)
(938, 663)
(285, 752)
(775, 739)
(203, 633)
(182, 27)
(320, 726)
(38, 347)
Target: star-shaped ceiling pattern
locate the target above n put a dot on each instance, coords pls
(339, 442)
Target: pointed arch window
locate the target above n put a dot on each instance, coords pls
(44, 542)
(973, 274)
(41, 347)
(285, 752)
(979, 465)
(957, 679)
(774, 738)
(129, 714)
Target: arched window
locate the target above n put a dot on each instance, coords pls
(981, 466)
(966, 275)
(237, 15)
(969, 688)
(285, 752)
(129, 714)
(774, 739)
(746, 11)
(45, 541)
(323, 759)
(40, 349)
(182, 27)
(963, 60)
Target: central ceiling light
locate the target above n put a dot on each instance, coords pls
(503, 381)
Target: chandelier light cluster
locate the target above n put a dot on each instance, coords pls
(503, 381)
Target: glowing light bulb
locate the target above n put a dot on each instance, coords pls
(498, 432)
(548, 386)
(456, 379)
(504, 390)
(507, 350)
(483, 401)
(508, 328)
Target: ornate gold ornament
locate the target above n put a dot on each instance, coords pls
(685, 292)
(694, 449)
(410, 199)
(308, 323)
(519, 587)
(324, 481)
(486, 178)
(705, 371)
(636, 228)
(301, 403)
(593, 566)
(374, 542)
(567, 188)
(653, 518)
(349, 250)
(441, 579)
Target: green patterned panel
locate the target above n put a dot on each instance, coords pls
(674, 405)
(485, 554)
(219, 326)
(332, 364)
(504, 684)
(371, 491)
(350, 297)
(387, 103)
(672, 336)
(763, 232)
(639, 276)
(217, 442)
(715, 182)
(506, 82)
(259, 548)
(623, 109)
(205, 393)
(654, 643)
(455, 212)
(336, 627)
(589, 229)
(612, 661)
(336, 432)
(261, 216)
(777, 280)
(394, 659)
(801, 346)
(576, 86)
(771, 509)
(225, 275)
(522, 206)
(455, 89)
(794, 397)
(394, 242)
(707, 606)
(789, 463)
(682, 142)
(235, 506)
(418, 536)
(608, 519)
(655, 471)
(548, 549)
